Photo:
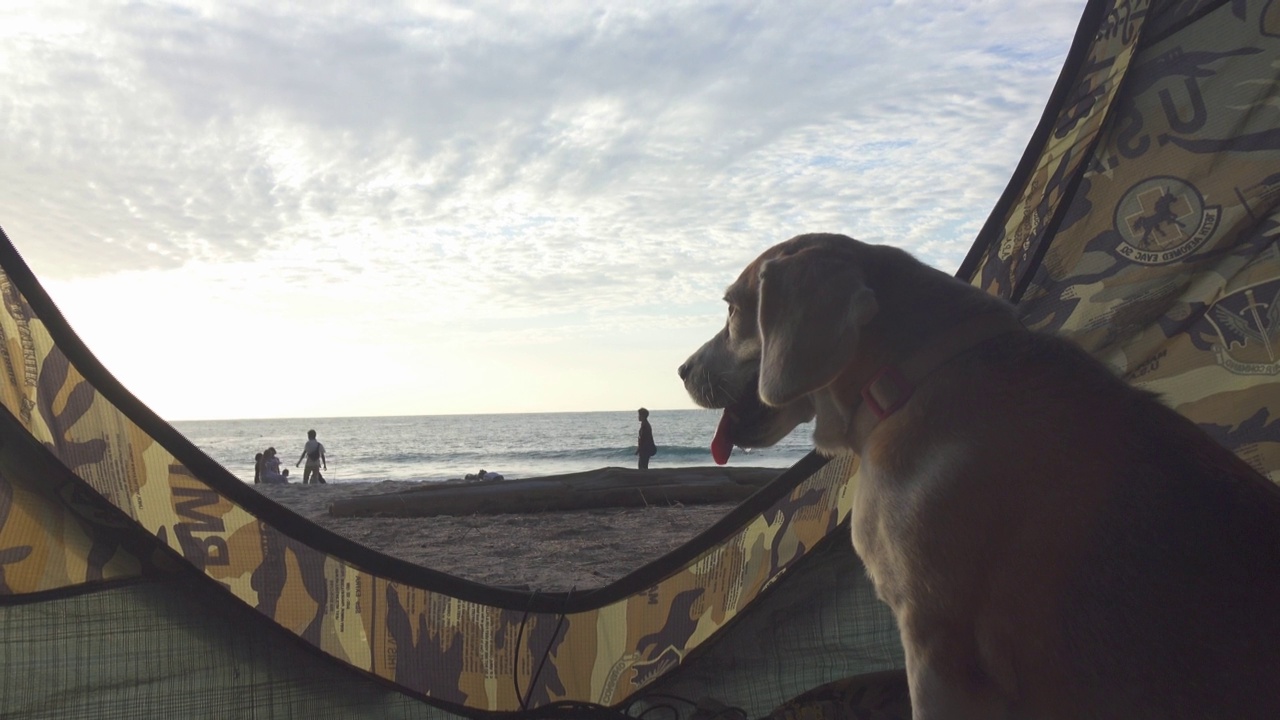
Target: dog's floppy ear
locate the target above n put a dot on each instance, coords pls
(813, 306)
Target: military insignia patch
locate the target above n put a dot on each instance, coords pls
(1248, 325)
(1163, 219)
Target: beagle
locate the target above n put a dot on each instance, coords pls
(1054, 543)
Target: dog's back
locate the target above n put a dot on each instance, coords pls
(1179, 585)
(1116, 561)
(1166, 546)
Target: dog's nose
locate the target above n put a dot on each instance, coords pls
(683, 370)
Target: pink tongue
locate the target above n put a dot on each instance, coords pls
(722, 443)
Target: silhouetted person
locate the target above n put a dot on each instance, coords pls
(645, 447)
(313, 453)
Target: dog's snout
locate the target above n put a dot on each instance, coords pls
(683, 371)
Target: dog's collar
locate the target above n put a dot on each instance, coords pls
(894, 384)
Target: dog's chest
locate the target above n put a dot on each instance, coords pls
(898, 512)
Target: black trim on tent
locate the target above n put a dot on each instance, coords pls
(1076, 57)
(71, 591)
(324, 540)
(1027, 273)
(21, 453)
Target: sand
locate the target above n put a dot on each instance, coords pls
(555, 551)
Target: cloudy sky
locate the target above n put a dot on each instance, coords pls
(255, 210)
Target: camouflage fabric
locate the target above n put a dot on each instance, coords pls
(462, 653)
(1095, 85)
(1155, 215)
(54, 532)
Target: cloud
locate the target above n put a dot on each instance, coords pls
(450, 164)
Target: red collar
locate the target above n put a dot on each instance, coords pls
(893, 385)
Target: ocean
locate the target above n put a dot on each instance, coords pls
(442, 447)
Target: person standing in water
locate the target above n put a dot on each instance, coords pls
(645, 447)
(313, 453)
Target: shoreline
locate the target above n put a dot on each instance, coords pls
(546, 551)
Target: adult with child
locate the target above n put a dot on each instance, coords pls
(271, 473)
(313, 453)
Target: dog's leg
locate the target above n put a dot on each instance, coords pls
(945, 683)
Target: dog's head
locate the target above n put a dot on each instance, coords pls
(796, 315)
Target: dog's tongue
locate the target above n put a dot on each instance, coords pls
(722, 443)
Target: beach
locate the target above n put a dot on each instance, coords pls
(551, 552)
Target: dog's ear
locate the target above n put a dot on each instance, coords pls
(813, 306)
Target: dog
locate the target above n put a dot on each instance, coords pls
(1054, 543)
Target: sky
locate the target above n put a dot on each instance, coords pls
(328, 209)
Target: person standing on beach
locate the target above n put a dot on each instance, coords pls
(645, 447)
(313, 453)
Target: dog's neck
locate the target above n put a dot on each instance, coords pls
(902, 354)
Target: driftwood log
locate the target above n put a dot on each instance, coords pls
(606, 487)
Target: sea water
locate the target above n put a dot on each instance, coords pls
(442, 447)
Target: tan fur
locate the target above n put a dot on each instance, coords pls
(1053, 542)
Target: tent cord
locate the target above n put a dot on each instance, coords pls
(515, 669)
(525, 697)
(546, 654)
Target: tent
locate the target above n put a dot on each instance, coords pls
(138, 578)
